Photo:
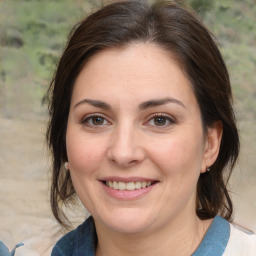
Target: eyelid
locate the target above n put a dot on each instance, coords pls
(85, 118)
(170, 118)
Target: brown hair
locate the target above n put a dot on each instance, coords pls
(176, 28)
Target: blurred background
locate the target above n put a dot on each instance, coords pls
(32, 36)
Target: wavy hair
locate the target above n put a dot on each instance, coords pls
(176, 28)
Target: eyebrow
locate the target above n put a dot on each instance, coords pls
(95, 103)
(159, 102)
(142, 106)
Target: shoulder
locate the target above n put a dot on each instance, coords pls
(83, 238)
(242, 242)
(4, 250)
(64, 247)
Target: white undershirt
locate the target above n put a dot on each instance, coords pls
(241, 242)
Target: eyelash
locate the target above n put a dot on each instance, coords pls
(166, 117)
(85, 120)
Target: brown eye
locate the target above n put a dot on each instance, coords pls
(160, 121)
(98, 120)
(94, 121)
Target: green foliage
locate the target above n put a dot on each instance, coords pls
(202, 7)
(33, 34)
(31, 40)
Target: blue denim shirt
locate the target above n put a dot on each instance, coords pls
(83, 240)
(4, 250)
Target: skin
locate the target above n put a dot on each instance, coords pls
(127, 141)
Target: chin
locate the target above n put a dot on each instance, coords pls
(128, 222)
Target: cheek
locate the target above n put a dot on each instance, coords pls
(179, 154)
(84, 155)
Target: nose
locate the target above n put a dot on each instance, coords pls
(126, 148)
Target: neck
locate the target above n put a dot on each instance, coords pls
(180, 238)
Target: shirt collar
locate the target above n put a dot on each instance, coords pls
(215, 240)
(213, 244)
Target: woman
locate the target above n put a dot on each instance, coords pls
(142, 130)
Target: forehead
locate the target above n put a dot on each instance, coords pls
(137, 71)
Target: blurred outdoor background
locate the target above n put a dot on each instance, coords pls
(32, 36)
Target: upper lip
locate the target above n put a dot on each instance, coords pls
(127, 179)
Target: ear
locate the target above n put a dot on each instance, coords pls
(212, 145)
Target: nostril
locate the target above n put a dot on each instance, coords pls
(133, 161)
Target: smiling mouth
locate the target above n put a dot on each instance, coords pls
(130, 186)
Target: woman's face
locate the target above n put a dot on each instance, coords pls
(135, 141)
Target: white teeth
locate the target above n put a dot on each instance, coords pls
(130, 186)
(143, 184)
(115, 185)
(138, 185)
(121, 185)
(118, 185)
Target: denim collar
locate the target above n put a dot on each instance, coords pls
(83, 240)
(215, 240)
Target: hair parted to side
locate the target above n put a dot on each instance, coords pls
(174, 27)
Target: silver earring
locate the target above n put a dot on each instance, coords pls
(66, 165)
(208, 169)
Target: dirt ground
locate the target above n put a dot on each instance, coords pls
(24, 187)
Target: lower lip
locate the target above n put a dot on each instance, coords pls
(127, 194)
